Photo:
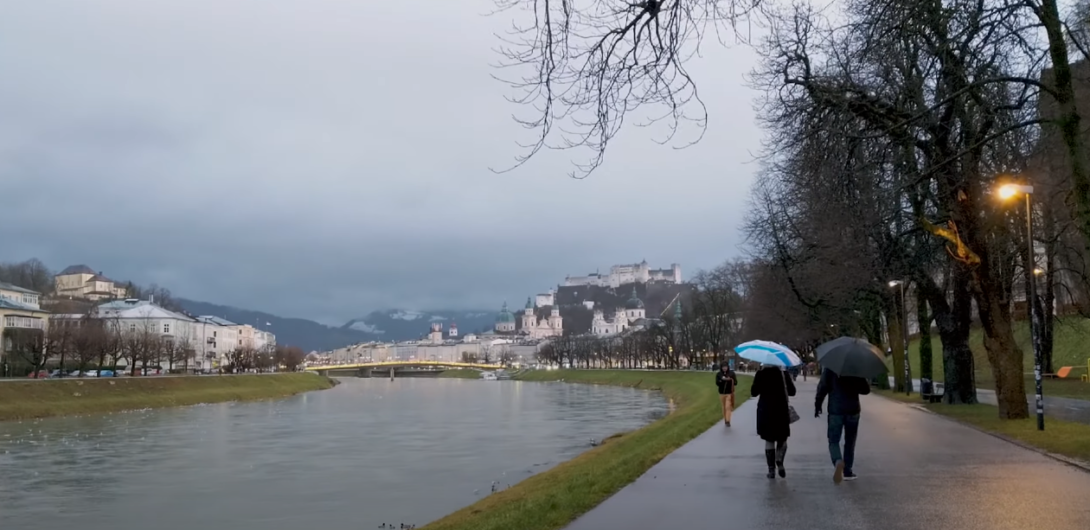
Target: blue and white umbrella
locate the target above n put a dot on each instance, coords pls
(765, 352)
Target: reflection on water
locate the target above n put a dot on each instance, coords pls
(367, 452)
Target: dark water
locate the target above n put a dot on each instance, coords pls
(370, 451)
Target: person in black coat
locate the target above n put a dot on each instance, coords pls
(772, 385)
(726, 380)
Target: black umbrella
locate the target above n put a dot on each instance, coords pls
(851, 357)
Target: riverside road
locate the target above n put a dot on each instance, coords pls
(917, 471)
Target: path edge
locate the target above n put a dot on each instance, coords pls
(1073, 462)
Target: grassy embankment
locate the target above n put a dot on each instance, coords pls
(1071, 336)
(556, 497)
(1060, 437)
(41, 399)
(460, 374)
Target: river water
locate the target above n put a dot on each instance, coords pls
(368, 452)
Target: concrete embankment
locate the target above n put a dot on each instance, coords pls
(66, 397)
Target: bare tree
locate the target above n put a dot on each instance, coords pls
(28, 346)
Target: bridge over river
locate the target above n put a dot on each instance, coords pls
(401, 368)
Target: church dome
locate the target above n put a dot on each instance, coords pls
(505, 316)
(634, 302)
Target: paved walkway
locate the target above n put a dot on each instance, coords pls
(917, 471)
(1067, 409)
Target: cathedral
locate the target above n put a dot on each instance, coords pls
(532, 327)
(623, 317)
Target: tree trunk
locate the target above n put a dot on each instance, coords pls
(1068, 117)
(958, 365)
(1004, 355)
(924, 321)
(896, 344)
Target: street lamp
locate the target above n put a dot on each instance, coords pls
(1004, 192)
(904, 334)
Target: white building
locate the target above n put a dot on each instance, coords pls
(132, 316)
(623, 317)
(216, 337)
(623, 274)
(536, 328)
(81, 281)
(545, 299)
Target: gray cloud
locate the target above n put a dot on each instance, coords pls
(327, 158)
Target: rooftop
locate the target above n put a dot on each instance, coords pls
(15, 288)
(212, 319)
(76, 269)
(18, 306)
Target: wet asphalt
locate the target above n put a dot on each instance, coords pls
(916, 470)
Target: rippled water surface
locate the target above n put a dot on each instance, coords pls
(367, 452)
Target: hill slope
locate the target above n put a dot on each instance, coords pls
(402, 324)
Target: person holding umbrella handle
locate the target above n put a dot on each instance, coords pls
(843, 418)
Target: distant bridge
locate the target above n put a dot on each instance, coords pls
(400, 364)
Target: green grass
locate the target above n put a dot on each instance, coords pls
(1060, 437)
(556, 497)
(460, 374)
(1071, 347)
(40, 399)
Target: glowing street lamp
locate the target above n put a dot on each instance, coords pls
(1005, 192)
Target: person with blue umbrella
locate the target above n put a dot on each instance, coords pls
(773, 387)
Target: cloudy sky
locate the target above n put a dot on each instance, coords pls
(326, 158)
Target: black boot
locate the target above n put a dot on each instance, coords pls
(781, 452)
(770, 457)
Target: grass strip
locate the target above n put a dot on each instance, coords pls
(21, 400)
(1064, 438)
(554, 498)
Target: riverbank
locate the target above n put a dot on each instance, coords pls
(553, 499)
(1064, 438)
(21, 400)
(464, 373)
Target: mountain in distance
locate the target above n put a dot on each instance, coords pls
(306, 334)
(393, 325)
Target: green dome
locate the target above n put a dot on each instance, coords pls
(634, 302)
(505, 316)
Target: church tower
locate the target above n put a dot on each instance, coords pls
(529, 321)
(556, 322)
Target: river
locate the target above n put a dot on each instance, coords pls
(368, 452)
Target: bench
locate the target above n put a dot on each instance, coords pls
(931, 391)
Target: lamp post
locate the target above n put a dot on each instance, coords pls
(1008, 191)
(904, 334)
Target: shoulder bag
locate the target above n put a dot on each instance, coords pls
(792, 415)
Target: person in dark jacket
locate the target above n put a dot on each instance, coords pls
(726, 380)
(772, 385)
(844, 409)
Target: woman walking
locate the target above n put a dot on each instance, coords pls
(772, 385)
(726, 381)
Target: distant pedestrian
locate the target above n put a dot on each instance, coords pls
(773, 385)
(726, 380)
(844, 410)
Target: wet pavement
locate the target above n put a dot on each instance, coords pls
(917, 471)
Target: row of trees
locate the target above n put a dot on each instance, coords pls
(890, 125)
(87, 342)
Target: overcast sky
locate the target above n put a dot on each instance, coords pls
(326, 158)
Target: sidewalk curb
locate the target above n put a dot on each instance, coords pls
(1073, 462)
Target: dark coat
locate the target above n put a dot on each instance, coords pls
(773, 420)
(726, 381)
(843, 393)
